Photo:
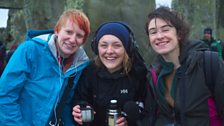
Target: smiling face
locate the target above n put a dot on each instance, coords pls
(70, 38)
(163, 37)
(111, 52)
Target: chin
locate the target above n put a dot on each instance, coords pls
(163, 52)
(69, 52)
(109, 67)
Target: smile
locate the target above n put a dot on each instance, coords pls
(69, 45)
(110, 58)
(161, 43)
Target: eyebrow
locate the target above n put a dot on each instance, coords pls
(167, 25)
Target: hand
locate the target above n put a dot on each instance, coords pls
(77, 114)
(121, 121)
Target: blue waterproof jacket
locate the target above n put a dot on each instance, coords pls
(33, 82)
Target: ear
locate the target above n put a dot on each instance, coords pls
(56, 31)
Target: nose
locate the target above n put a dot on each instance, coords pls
(109, 49)
(73, 38)
(159, 35)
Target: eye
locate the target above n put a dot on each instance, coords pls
(103, 45)
(152, 32)
(166, 28)
(80, 36)
(116, 46)
(69, 32)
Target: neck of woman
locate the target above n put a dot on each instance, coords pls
(173, 57)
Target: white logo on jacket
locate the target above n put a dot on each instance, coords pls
(124, 91)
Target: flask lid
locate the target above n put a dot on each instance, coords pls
(113, 101)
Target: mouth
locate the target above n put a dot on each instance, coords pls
(69, 46)
(163, 43)
(110, 59)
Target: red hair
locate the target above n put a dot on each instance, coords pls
(75, 16)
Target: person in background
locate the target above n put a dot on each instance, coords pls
(180, 88)
(208, 38)
(213, 44)
(36, 75)
(10, 52)
(217, 46)
(2, 57)
(118, 72)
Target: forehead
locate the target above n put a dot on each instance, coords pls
(157, 22)
(110, 38)
(69, 23)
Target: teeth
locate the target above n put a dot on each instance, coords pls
(110, 58)
(161, 43)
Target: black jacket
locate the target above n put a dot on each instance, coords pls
(189, 89)
(97, 87)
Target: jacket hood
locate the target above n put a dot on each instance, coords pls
(40, 36)
(34, 33)
(191, 53)
(191, 46)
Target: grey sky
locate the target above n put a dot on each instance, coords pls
(3, 17)
(163, 2)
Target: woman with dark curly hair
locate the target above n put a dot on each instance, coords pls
(180, 89)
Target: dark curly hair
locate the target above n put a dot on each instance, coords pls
(172, 18)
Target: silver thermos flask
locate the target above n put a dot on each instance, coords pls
(112, 113)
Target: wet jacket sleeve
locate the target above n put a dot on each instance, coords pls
(11, 84)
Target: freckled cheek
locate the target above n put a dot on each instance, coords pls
(63, 38)
(60, 40)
